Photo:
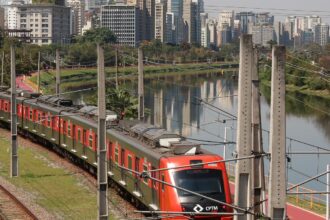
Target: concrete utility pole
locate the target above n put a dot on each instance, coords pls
(116, 68)
(277, 178)
(102, 178)
(258, 163)
(328, 195)
(243, 178)
(58, 73)
(2, 66)
(141, 85)
(14, 150)
(39, 79)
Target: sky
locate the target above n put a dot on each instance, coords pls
(299, 7)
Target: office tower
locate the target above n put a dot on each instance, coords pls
(160, 20)
(247, 19)
(78, 19)
(321, 34)
(262, 34)
(124, 21)
(176, 8)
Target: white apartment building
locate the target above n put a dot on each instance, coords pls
(78, 18)
(49, 24)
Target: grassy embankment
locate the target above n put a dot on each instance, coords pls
(83, 78)
(59, 191)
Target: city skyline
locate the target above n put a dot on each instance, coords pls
(213, 7)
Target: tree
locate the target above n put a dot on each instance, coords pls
(98, 35)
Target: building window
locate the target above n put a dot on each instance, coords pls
(44, 30)
(44, 20)
(44, 40)
(44, 15)
(44, 25)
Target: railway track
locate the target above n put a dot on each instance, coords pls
(12, 208)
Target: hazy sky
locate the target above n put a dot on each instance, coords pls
(308, 7)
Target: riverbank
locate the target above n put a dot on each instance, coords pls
(72, 79)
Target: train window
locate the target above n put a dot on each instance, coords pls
(130, 163)
(31, 114)
(163, 185)
(122, 157)
(79, 135)
(203, 181)
(49, 119)
(110, 150)
(145, 168)
(64, 127)
(137, 164)
(84, 137)
(90, 140)
(43, 119)
(154, 175)
(116, 155)
(39, 118)
(69, 129)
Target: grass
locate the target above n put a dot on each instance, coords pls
(306, 204)
(60, 192)
(82, 78)
(303, 90)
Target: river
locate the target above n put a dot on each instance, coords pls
(172, 102)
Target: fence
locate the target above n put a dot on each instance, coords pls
(314, 202)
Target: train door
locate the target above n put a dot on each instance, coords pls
(122, 163)
(154, 186)
(35, 120)
(110, 155)
(83, 142)
(64, 131)
(73, 137)
(43, 123)
(53, 127)
(137, 169)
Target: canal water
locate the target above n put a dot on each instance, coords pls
(174, 103)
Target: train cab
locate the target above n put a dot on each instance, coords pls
(209, 180)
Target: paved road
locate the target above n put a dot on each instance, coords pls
(294, 212)
(20, 84)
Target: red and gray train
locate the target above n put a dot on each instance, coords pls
(72, 131)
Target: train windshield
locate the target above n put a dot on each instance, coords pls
(203, 181)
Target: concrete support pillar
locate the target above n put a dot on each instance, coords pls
(243, 178)
(277, 178)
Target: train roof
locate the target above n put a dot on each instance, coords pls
(149, 139)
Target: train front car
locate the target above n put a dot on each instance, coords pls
(209, 180)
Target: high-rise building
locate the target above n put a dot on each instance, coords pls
(50, 24)
(311, 21)
(247, 19)
(2, 18)
(264, 18)
(189, 26)
(170, 28)
(199, 10)
(176, 8)
(321, 34)
(226, 17)
(262, 34)
(224, 34)
(212, 25)
(160, 20)
(124, 21)
(92, 4)
(236, 29)
(78, 20)
(308, 36)
(11, 17)
(279, 33)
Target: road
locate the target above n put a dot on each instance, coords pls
(294, 212)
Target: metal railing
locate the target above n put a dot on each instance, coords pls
(313, 202)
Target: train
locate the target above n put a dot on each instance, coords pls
(133, 147)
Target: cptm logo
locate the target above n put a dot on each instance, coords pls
(198, 208)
